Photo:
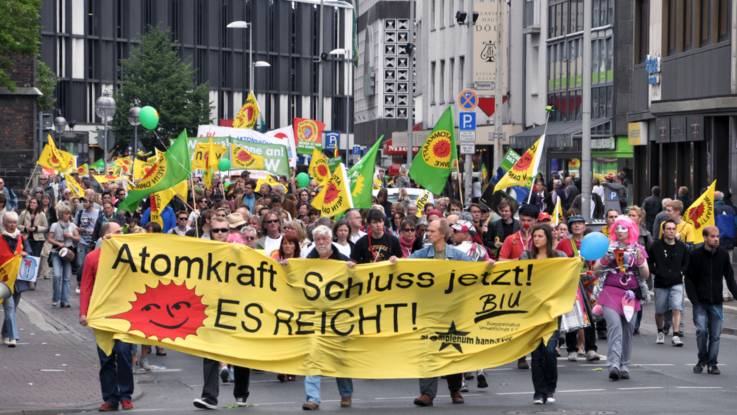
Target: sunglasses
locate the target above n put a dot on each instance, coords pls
(219, 230)
(408, 230)
(249, 238)
(272, 221)
(182, 218)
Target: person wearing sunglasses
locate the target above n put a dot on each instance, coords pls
(272, 233)
(219, 231)
(408, 237)
(182, 226)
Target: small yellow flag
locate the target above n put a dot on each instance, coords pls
(558, 213)
(73, 185)
(53, 158)
(248, 114)
(241, 158)
(701, 213)
(335, 196)
(523, 171)
(318, 168)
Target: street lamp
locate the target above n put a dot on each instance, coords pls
(105, 109)
(134, 120)
(240, 24)
(60, 123)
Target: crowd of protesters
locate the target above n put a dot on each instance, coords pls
(64, 230)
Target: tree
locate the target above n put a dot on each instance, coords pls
(46, 83)
(19, 34)
(155, 75)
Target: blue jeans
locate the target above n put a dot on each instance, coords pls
(312, 387)
(116, 373)
(82, 251)
(10, 328)
(62, 275)
(708, 321)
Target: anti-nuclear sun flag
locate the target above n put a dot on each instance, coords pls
(701, 212)
(523, 171)
(58, 160)
(417, 318)
(335, 196)
(318, 168)
(434, 162)
(307, 134)
(248, 114)
(244, 159)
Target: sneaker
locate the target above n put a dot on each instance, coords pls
(468, 376)
(522, 364)
(572, 356)
(550, 398)
(126, 404)
(456, 397)
(55, 304)
(240, 402)
(714, 370)
(481, 382)
(538, 400)
(624, 374)
(107, 407)
(676, 341)
(464, 386)
(345, 401)
(66, 305)
(614, 374)
(661, 338)
(224, 374)
(76, 290)
(310, 406)
(592, 356)
(423, 400)
(698, 367)
(11, 343)
(204, 403)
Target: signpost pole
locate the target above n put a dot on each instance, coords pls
(467, 164)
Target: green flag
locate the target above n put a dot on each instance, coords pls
(435, 160)
(361, 176)
(99, 165)
(171, 168)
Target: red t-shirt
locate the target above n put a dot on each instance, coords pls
(89, 272)
(514, 246)
(565, 246)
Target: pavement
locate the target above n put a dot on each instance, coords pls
(54, 370)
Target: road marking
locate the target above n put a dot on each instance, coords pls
(640, 388)
(653, 364)
(52, 370)
(37, 318)
(699, 387)
(514, 393)
(580, 390)
(393, 398)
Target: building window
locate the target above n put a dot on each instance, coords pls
(670, 14)
(642, 30)
(461, 71)
(442, 82)
(432, 15)
(724, 19)
(442, 13)
(688, 24)
(432, 83)
(705, 22)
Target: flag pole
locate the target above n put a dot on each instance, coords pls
(33, 174)
(548, 110)
(460, 184)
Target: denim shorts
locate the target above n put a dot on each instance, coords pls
(669, 299)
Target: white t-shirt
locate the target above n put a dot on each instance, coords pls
(354, 237)
(271, 244)
(343, 249)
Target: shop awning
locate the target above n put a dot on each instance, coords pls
(559, 134)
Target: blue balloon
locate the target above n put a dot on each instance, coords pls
(594, 246)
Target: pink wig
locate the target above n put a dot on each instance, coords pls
(633, 231)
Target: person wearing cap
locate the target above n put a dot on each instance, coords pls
(544, 217)
(236, 224)
(585, 337)
(462, 239)
(434, 214)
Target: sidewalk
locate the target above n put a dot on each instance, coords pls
(55, 366)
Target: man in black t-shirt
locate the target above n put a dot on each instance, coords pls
(377, 245)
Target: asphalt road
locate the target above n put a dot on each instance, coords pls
(54, 370)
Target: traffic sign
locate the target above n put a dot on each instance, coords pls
(466, 120)
(468, 148)
(467, 137)
(356, 150)
(467, 100)
(332, 138)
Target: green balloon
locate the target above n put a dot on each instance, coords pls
(224, 165)
(303, 180)
(149, 117)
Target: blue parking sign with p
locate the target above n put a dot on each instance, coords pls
(466, 121)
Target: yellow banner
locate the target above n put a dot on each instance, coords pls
(9, 272)
(244, 159)
(701, 213)
(414, 319)
(523, 171)
(201, 156)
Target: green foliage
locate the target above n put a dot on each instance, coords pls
(46, 83)
(155, 75)
(19, 34)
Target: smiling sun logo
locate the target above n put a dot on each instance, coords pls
(166, 311)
